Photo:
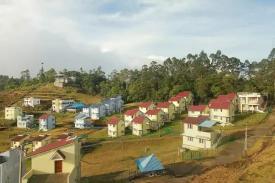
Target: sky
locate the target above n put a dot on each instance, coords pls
(115, 34)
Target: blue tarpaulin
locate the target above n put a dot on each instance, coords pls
(207, 124)
(77, 106)
(149, 164)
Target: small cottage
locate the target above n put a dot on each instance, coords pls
(198, 110)
(18, 141)
(157, 118)
(31, 102)
(146, 106)
(129, 115)
(141, 125)
(40, 141)
(46, 122)
(168, 109)
(82, 121)
(11, 113)
(116, 127)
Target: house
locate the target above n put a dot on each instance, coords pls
(222, 111)
(11, 166)
(116, 127)
(75, 107)
(145, 106)
(232, 97)
(46, 122)
(198, 133)
(31, 102)
(198, 110)
(25, 121)
(18, 141)
(59, 105)
(118, 103)
(157, 118)
(82, 121)
(149, 164)
(61, 80)
(178, 102)
(58, 161)
(250, 101)
(109, 106)
(95, 111)
(167, 108)
(188, 98)
(141, 125)
(129, 115)
(11, 113)
(40, 141)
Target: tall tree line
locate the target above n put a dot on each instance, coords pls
(205, 75)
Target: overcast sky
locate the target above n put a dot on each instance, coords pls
(129, 33)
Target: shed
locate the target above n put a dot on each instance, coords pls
(149, 164)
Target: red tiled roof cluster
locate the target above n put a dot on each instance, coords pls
(113, 120)
(51, 146)
(222, 101)
(197, 108)
(195, 120)
(145, 104)
(163, 105)
(153, 112)
(131, 112)
(138, 119)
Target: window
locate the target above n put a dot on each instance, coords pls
(190, 138)
(201, 141)
(189, 126)
(221, 110)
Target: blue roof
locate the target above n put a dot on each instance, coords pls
(149, 164)
(77, 106)
(207, 124)
(81, 115)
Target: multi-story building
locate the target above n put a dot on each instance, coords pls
(250, 101)
(31, 102)
(95, 111)
(157, 118)
(141, 125)
(25, 121)
(188, 98)
(118, 103)
(222, 111)
(82, 121)
(11, 113)
(198, 110)
(59, 105)
(130, 115)
(116, 127)
(198, 133)
(46, 122)
(40, 141)
(179, 103)
(168, 109)
(146, 106)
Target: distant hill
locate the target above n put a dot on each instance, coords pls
(272, 54)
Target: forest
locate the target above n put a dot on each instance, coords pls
(205, 75)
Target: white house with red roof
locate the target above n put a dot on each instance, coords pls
(232, 97)
(46, 122)
(141, 125)
(187, 96)
(58, 161)
(178, 102)
(157, 118)
(198, 133)
(222, 111)
(168, 108)
(198, 110)
(116, 127)
(129, 115)
(145, 106)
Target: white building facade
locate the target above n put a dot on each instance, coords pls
(46, 122)
(249, 101)
(25, 121)
(31, 102)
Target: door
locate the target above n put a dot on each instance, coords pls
(58, 166)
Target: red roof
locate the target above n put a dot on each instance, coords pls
(197, 108)
(229, 96)
(175, 99)
(195, 120)
(51, 146)
(113, 120)
(138, 119)
(44, 116)
(153, 112)
(145, 104)
(39, 138)
(131, 112)
(219, 104)
(183, 94)
(163, 105)
(18, 138)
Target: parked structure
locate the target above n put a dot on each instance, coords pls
(116, 127)
(31, 102)
(25, 121)
(59, 105)
(198, 133)
(249, 101)
(168, 109)
(82, 121)
(157, 118)
(130, 115)
(222, 111)
(58, 161)
(11, 113)
(46, 122)
(95, 111)
(40, 141)
(198, 110)
(146, 106)
(141, 125)
(11, 166)
(18, 141)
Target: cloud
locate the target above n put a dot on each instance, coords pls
(125, 33)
